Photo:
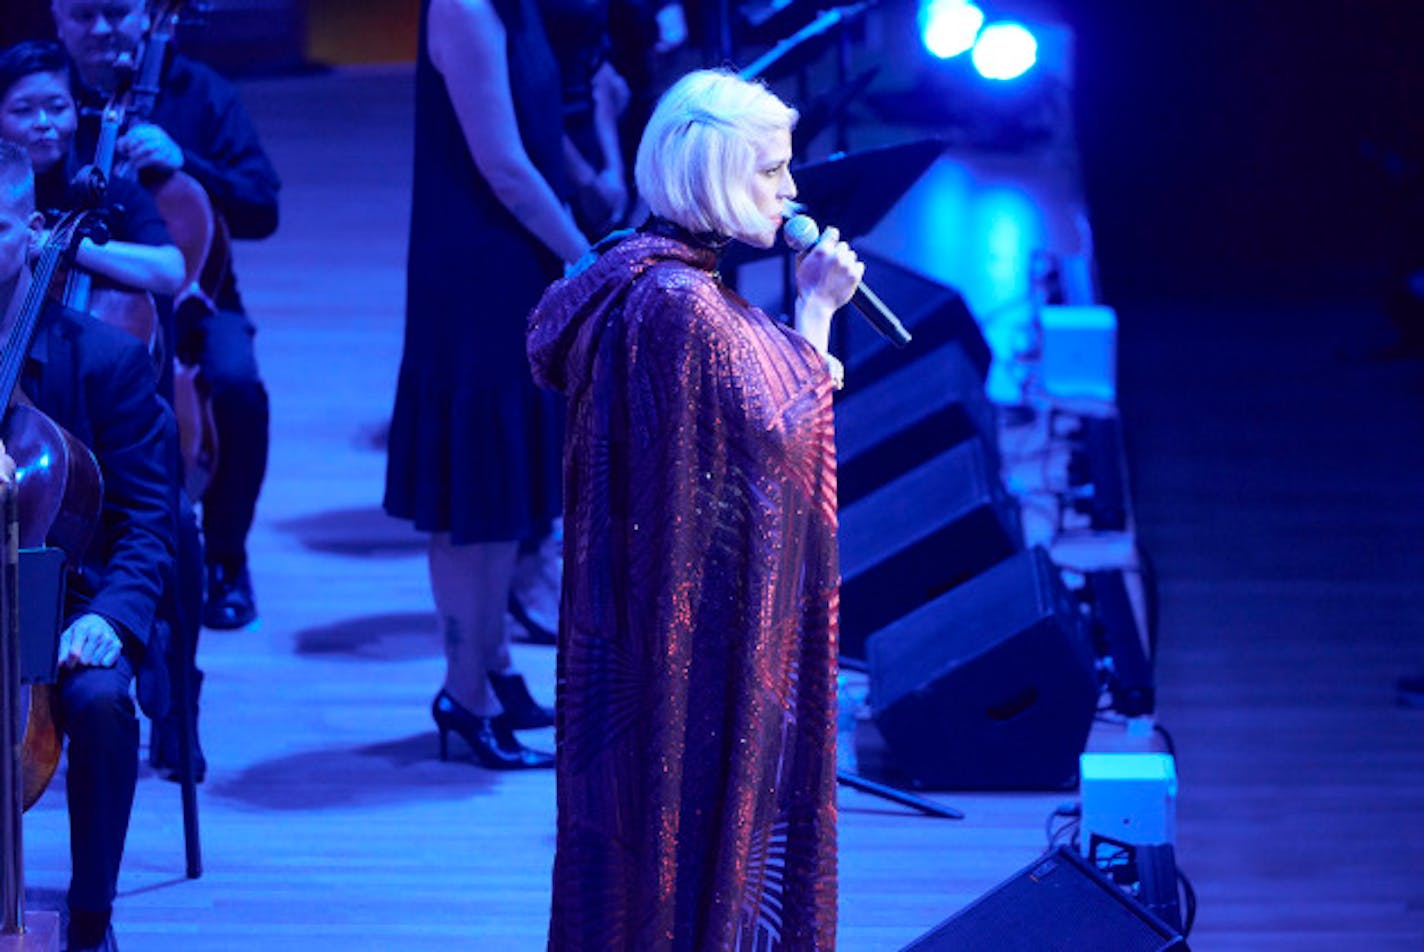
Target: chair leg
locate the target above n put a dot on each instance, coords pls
(192, 847)
(186, 600)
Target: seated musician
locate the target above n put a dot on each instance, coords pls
(37, 111)
(98, 383)
(199, 126)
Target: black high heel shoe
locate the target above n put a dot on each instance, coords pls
(524, 713)
(534, 632)
(491, 738)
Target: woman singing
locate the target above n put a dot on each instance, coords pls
(473, 453)
(697, 635)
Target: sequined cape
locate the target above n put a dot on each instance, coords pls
(697, 641)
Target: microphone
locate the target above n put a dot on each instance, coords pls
(802, 234)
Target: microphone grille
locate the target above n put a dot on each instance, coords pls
(801, 232)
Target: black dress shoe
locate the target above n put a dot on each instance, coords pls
(107, 944)
(522, 711)
(534, 591)
(88, 931)
(491, 738)
(230, 603)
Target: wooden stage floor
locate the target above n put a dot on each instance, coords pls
(328, 822)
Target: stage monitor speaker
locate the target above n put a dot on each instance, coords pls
(933, 313)
(919, 536)
(1058, 903)
(992, 686)
(901, 420)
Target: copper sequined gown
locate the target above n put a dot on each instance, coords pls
(697, 642)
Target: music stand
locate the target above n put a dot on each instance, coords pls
(853, 192)
(801, 48)
(828, 108)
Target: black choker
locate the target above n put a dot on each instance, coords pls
(709, 240)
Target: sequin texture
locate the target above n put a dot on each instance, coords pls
(697, 643)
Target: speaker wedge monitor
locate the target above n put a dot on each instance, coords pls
(991, 686)
(920, 535)
(1058, 903)
(907, 416)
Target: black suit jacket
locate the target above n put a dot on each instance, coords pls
(98, 383)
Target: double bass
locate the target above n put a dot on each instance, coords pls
(58, 485)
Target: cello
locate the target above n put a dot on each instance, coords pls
(130, 310)
(201, 235)
(58, 484)
(197, 229)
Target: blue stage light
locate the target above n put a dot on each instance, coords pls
(948, 27)
(1005, 51)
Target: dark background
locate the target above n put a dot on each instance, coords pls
(1242, 146)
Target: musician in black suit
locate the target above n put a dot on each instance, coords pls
(200, 127)
(98, 383)
(37, 110)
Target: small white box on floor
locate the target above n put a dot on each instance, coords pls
(1130, 798)
(1080, 351)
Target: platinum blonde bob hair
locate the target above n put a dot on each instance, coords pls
(699, 150)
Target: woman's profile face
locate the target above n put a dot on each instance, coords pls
(771, 187)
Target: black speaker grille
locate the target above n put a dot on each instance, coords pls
(990, 686)
(899, 422)
(919, 536)
(1056, 904)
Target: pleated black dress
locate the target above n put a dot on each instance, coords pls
(474, 445)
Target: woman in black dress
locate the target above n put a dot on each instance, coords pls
(474, 445)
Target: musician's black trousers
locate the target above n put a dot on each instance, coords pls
(97, 714)
(240, 410)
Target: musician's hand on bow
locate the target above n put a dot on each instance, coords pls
(90, 642)
(149, 147)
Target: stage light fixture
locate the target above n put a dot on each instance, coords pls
(1004, 51)
(949, 27)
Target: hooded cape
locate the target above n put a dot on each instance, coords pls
(697, 636)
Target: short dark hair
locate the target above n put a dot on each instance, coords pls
(17, 179)
(30, 57)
